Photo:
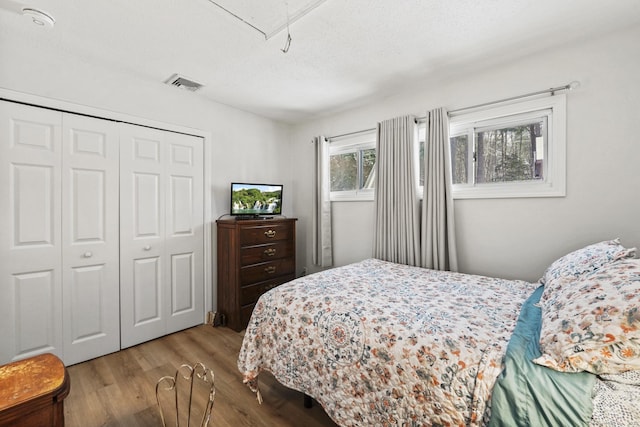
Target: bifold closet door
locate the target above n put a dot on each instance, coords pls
(90, 211)
(30, 232)
(161, 233)
(59, 281)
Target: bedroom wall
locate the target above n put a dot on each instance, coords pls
(515, 238)
(244, 146)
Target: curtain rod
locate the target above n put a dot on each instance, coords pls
(552, 91)
(569, 86)
(329, 138)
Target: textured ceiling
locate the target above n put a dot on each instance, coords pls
(342, 53)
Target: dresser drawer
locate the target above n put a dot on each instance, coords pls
(261, 253)
(261, 234)
(266, 271)
(250, 294)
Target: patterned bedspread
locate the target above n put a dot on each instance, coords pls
(378, 344)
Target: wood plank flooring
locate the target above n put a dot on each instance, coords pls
(119, 389)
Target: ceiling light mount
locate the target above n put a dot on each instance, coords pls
(39, 17)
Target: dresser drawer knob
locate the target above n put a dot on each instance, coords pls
(270, 252)
(270, 270)
(270, 233)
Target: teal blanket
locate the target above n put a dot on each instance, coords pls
(527, 394)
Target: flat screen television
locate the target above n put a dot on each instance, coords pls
(256, 199)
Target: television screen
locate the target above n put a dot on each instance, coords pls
(256, 199)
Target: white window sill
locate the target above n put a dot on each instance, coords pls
(353, 197)
(508, 190)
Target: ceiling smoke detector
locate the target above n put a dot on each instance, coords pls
(183, 83)
(39, 17)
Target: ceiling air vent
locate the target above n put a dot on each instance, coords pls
(183, 83)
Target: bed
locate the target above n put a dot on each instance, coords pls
(380, 344)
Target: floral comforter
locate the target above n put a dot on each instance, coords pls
(378, 344)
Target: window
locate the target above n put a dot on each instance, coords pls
(352, 167)
(516, 150)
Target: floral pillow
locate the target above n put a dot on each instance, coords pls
(593, 323)
(586, 259)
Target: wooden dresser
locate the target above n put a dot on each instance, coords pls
(253, 257)
(32, 391)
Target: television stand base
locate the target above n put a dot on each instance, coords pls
(246, 217)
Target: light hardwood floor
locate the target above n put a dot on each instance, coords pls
(119, 389)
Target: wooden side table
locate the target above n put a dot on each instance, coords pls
(32, 391)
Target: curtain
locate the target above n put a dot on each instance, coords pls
(322, 245)
(438, 240)
(396, 234)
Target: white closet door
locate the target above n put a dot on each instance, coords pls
(30, 227)
(90, 236)
(142, 264)
(161, 236)
(184, 241)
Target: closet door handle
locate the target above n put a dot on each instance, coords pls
(147, 248)
(88, 254)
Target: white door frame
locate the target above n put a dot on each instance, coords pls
(55, 104)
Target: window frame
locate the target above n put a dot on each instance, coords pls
(553, 183)
(351, 144)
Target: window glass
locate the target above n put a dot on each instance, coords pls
(420, 167)
(460, 159)
(507, 153)
(368, 166)
(343, 169)
(352, 163)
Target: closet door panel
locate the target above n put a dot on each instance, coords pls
(146, 206)
(32, 196)
(36, 322)
(142, 219)
(183, 285)
(90, 212)
(30, 248)
(185, 231)
(84, 288)
(147, 291)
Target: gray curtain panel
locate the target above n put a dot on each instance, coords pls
(438, 240)
(396, 235)
(322, 242)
